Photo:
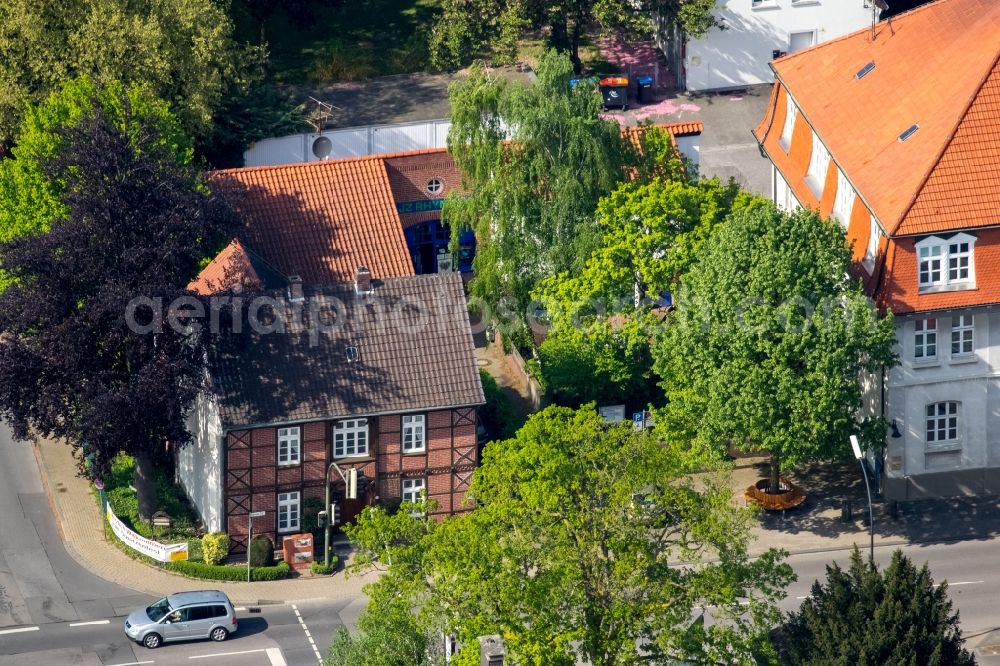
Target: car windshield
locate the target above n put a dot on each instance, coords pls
(158, 610)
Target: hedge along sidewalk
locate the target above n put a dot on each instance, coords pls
(80, 525)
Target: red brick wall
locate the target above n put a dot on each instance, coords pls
(408, 177)
(253, 478)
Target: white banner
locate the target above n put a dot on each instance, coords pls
(154, 549)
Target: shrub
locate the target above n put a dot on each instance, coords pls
(261, 551)
(228, 573)
(323, 570)
(215, 547)
(498, 415)
(310, 509)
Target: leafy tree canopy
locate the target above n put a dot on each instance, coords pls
(863, 616)
(467, 29)
(531, 199)
(770, 339)
(586, 542)
(31, 198)
(134, 222)
(182, 51)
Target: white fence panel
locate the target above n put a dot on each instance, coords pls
(283, 150)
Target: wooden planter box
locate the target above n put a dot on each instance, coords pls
(792, 496)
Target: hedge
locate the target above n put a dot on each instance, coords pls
(228, 573)
(321, 569)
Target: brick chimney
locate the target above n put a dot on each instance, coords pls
(295, 294)
(363, 281)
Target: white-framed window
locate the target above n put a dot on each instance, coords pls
(963, 330)
(942, 423)
(946, 263)
(414, 433)
(844, 201)
(874, 238)
(289, 446)
(791, 114)
(434, 185)
(288, 512)
(413, 489)
(819, 162)
(798, 41)
(350, 438)
(925, 339)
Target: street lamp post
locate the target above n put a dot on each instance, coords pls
(350, 479)
(871, 514)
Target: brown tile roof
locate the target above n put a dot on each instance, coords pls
(673, 129)
(931, 65)
(414, 346)
(320, 220)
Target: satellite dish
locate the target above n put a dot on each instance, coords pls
(322, 147)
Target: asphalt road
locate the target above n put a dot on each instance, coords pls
(278, 635)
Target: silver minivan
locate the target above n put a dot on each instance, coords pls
(182, 617)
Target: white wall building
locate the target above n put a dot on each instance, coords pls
(755, 29)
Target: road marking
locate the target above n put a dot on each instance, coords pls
(312, 643)
(240, 608)
(962, 582)
(87, 624)
(133, 663)
(805, 597)
(274, 654)
(224, 654)
(18, 631)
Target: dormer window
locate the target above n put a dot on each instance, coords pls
(945, 264)
(819, 162)
(791, 113)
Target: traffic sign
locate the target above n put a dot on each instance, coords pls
(257, 514)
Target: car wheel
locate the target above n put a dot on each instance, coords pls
(152, 641)
(219, 634)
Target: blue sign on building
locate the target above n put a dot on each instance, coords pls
(419, 206)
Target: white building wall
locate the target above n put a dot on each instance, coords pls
(783, 195)
(739, 55)
(974, 382)
(199, 464)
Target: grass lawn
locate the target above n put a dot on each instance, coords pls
(324, 41)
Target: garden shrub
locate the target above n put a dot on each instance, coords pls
(261, 551)
(215, 547)
(229, 573)
(323, 570)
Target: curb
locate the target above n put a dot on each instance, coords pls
(43, 474)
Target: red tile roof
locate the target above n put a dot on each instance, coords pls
(230, 267)
(931, 65)
(899, 290)
(320, 220)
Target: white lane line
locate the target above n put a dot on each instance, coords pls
(18, 631)
(133, 663)
(224, 654)
(87, 624)
(805, 597)
(312, 643)
(274, 654)
(962, 582)
(240, 608)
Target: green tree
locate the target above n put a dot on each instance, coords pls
(180, 50)
(531, 199)
(770, 339)
(867, 617)
(607, 360)
(467, 29)
(31, 199)
(586, 542)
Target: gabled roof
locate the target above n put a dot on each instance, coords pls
(236, 265)
(414, 352)
(320, 220)
(934, 68)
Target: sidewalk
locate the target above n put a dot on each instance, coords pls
(816, 526)
(79, 521)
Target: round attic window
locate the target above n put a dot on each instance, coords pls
(434, 185)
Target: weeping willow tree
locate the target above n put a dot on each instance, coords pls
(531, 200)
